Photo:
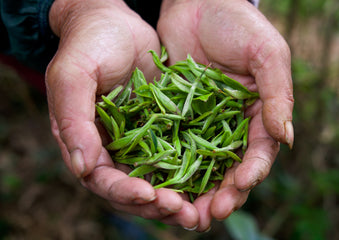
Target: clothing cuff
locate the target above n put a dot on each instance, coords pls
(45, 30)
(254, 2)
(27, 31)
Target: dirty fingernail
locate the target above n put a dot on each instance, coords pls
(167, 211)
(191, 229)
(78, 163)
(255, 183)
(144, 200)
(289, 134)
(207, 230)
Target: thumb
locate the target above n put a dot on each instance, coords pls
(71, 98)
(271, 67)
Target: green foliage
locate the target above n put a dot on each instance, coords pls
(306, 9)
(327, 182)
(311, 223)
(10, 183)
(243, 226)
(311, 8)
(274, 9)
(304, 74)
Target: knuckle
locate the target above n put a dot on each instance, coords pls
(53, 70)
(275, 49)
(55, 129)
(65, 126)
(290, 98)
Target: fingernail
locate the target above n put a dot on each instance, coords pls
(255, 183)
(83, 182)
(207, 230)
(78, 164)
(289, 134)
(167, 211)
(234, 209)
(144, 200)
(191, 229)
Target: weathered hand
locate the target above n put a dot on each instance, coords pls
(101, 43)
(235, 37)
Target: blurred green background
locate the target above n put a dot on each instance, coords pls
(39, 199)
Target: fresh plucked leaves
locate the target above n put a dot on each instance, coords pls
(184, 130)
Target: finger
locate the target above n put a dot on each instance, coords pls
(71, 95)
(131, 195)
(270, 64)
(259, 157)
(187, 217)
(264, 56)
(166, 203)
(228, 198)
(147, 210)
(116, 186)
(203, 205)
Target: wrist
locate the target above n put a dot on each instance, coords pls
(63, 12)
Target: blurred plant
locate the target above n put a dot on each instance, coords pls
(311, 223)
(299, 200)
(243, 226)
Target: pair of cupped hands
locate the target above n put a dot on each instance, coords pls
(101, 44)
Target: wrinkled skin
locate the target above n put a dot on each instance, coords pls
(101, 43)
(235, 37)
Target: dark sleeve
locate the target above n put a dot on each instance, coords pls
(26, 35)
(148, 10)
(25, 32)
(254, 2)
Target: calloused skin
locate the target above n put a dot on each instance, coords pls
(101, 43)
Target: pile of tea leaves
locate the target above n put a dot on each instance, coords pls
(182, 131)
